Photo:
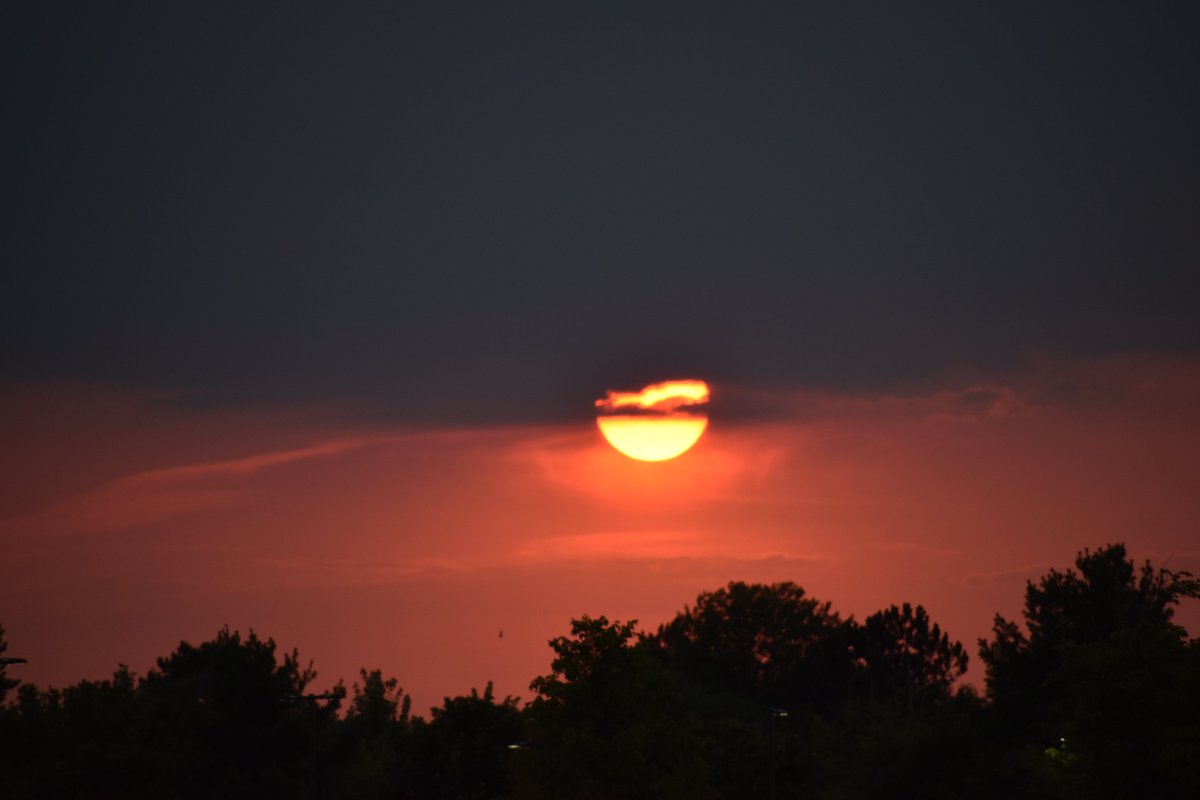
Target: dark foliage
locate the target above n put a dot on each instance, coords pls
(608, 722)
(463, 751)
(770, 643)
(755, 689)
(6, 683)
(1103, 690)
(907, 657)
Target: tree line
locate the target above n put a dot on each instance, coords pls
(754, 691)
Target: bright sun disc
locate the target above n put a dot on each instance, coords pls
(652, 438)
(657, 429)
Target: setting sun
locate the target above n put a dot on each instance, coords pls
(649, 425)
(652, 438)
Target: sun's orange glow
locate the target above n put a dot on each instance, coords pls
(665, 397)
(652, 438)
(955, 496)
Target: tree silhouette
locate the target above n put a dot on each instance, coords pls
(82, 740)
(230, 719)
(1104, 688)
(374, 739)
(908, 657)
(1064, 610)
(1097, 694)
(771, 643)
(463, 751)
(6, 683)
(608, 722)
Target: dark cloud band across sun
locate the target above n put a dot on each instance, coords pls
(660, 398)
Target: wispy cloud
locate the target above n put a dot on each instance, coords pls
(653, 545)
(1009, 575)
(916, 547)
(151, 496)
(360, 571)
(612, 544)
(971, 402)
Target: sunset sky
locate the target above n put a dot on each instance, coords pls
(307, 311)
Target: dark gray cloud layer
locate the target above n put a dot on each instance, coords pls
(408, 202)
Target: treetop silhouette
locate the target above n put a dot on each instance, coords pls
(1097, 695)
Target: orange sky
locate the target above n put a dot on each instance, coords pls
(131, 521)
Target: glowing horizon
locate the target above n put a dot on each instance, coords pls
(130, 523)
